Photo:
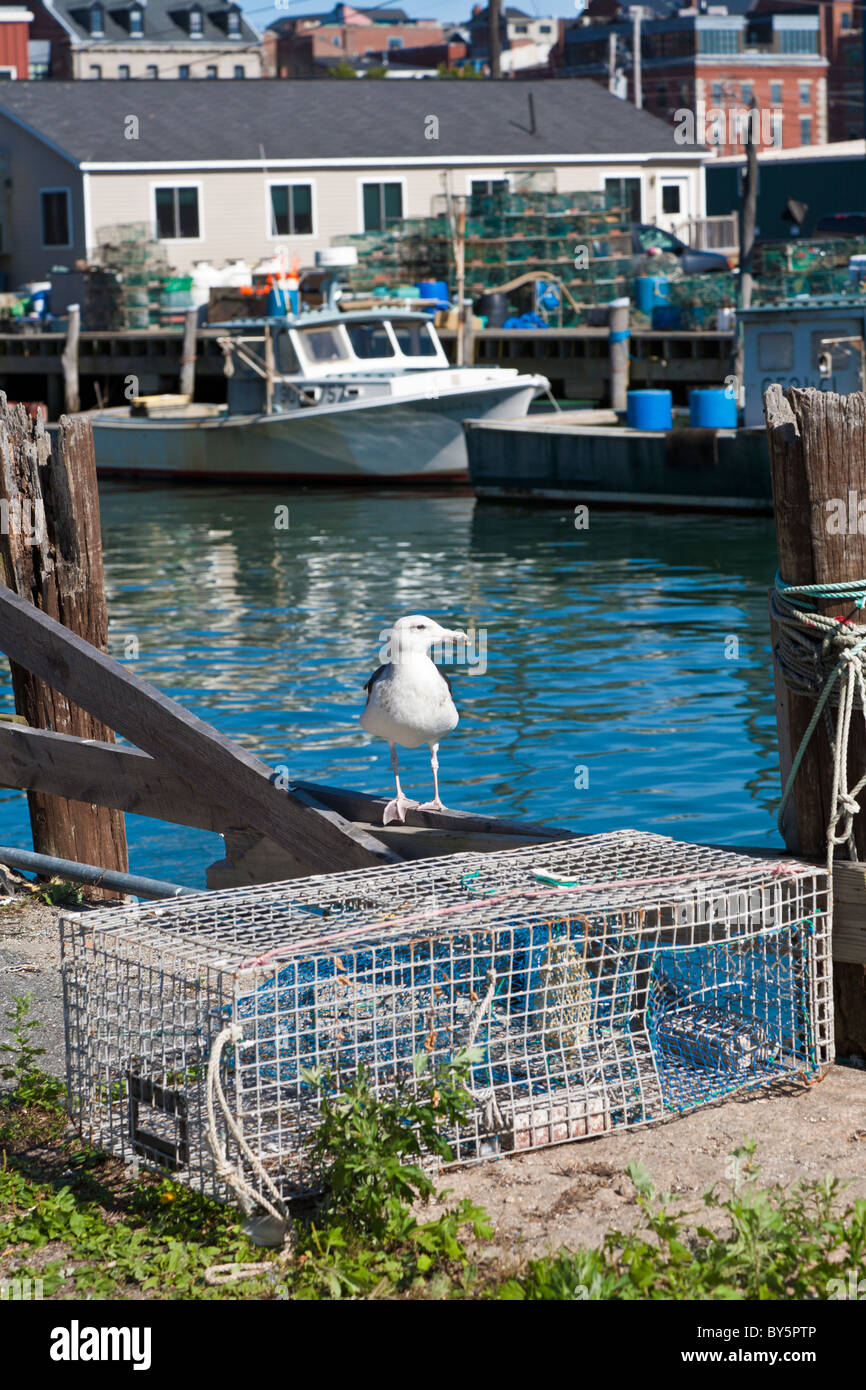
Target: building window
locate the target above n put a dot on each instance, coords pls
(234, 24)
(544, 29)
(136, 22)
(177, 213)
(152, 70)
(521, 28)
(798, 40)
(671, 198)
(718, 93)
(747, 91)
(383, 205)
(624, 195)
(96, 25)
(291, 209)
(805, 93)
(775, 352)
(94, 72)
(195, 22)
(718, 41)
(240, 70)
(805, 130)
(56, 217)
(210, 71)
(846, 21)
(776, 93)
(395, 43)
(123, 71)
(183, 70)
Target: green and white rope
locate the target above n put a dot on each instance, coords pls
(824, 658)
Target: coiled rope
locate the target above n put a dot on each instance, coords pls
(824, 658)
(231, 1173)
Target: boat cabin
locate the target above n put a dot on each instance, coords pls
(327, 358)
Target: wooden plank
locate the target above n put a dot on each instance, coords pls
(218, 768)
(52, 558)
(103, 774)
(361, 806)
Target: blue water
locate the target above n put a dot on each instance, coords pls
(620, 677)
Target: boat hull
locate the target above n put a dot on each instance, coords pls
(404, 439)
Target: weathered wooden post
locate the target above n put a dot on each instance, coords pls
(619, 354)
(817, 443)
(188, 353)
(51, 555)
(69, 362)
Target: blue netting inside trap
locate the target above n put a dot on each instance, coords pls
(729, 1014)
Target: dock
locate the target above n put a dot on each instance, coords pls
(589, 457)
(575, 360)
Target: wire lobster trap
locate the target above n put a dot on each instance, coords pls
(602, 982)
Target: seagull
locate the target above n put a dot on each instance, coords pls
(409, 702)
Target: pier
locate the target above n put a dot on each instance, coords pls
(575, 360)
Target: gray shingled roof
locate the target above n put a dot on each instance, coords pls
(321, 119)
(164, 21)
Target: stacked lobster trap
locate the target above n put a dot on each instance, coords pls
(601, 983)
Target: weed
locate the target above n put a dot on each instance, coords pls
(60, 893)
(18, 1058)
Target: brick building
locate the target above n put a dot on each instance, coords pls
(311, 44)
(715, 62)
(14, 38)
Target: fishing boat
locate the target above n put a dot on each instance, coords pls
(321, 396)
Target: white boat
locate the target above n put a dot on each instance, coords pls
(320, 396)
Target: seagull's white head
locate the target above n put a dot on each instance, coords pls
(415, 634)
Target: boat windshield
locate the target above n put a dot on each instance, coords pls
(370, 339)
(324, 345)
(414, 339)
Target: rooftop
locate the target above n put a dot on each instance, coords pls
(339, 121)
(163, 21)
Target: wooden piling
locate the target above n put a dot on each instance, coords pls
(619, 353)
(51, 555)
(188, 353)
(817, 445)
(69, 362)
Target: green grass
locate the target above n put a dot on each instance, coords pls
(78, 1220)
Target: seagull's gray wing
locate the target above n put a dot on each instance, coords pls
(372, 681)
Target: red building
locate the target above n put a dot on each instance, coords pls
(712, 64)
(14, 38)
(309, 45)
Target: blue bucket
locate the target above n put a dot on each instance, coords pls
(649, 291)
(712, 409)
(649, 410)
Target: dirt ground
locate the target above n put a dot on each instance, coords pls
(573, 1193)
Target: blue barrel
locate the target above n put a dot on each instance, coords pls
(433, 289)
(649, 410)
(649, 291)
(712, 409)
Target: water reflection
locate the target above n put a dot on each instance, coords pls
(607, 649)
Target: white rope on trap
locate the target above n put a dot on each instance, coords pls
(231, 1173)
(815, 652)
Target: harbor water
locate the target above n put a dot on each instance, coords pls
(619, 672)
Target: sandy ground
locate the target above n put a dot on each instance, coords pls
(573, 1193)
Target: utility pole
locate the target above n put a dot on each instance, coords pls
(493, 46)
(747, 218)
(638, 81)
(611, 62)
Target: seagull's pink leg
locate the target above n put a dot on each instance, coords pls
(435, 804)
(396, 809)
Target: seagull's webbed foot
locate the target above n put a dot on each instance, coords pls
(396, 809)
(434, 805)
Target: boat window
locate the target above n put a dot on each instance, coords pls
(287, 358)
(414, 339)
(370, 339)
(775, 352)
(324, 345)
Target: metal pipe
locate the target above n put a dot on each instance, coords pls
(91, 874)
